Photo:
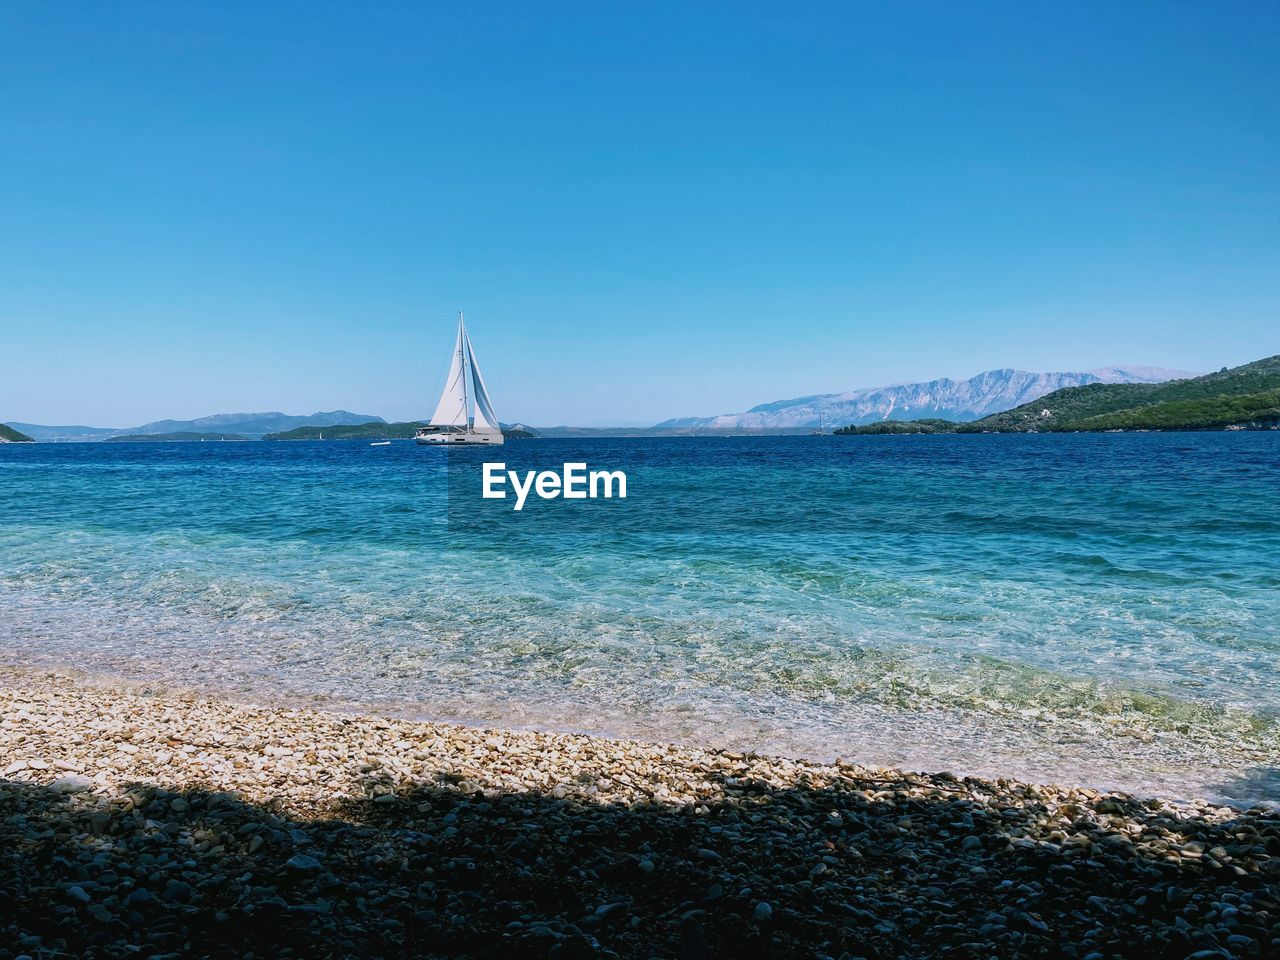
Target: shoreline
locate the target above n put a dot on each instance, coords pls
(1127, 755)
(185, 822)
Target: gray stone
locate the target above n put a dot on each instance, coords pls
(75, 783)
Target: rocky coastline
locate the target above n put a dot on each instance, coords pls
(169, 825)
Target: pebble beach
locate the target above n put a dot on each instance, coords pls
(165, 824)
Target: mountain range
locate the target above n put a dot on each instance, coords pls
(1246, 397)
(954, 400)
(959, 400)
(249, 425)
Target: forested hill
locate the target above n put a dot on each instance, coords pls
(10, 435)
(1245, 397)
(350, 431)
(1238, 395)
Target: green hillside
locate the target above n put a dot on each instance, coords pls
(1244, 397)
(10, 435)
(1071, 403)
(180, 437)
(373, 431)
(1239, 395)
(1254, 409)
(899, 426)
(353, 431)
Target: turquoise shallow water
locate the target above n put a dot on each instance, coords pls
(1102, 609)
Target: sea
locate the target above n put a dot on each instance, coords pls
(1093, 609)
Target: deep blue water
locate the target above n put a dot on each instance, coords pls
(1100, 608)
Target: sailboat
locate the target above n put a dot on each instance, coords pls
(464, 413)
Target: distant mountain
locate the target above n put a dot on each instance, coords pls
(9, 435)
(1242, 398)
(373, 430)
(563, 432)
(41, 432)
(173, 437)
(378, 430)
(250, 425)
(947, 399)
(254, 425)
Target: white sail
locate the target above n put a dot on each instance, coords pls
(451, 411)
(485, 420)
(464, 403)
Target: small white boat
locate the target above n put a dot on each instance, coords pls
(381, 443)
(463, 415)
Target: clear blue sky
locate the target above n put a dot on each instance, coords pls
(647, 210)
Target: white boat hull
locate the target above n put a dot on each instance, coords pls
(487, 439)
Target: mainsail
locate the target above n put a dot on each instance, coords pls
(485, 420)
(451, 411)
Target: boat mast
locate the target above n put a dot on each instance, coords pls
(466, 373)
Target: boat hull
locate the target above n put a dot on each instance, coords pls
(472, 439)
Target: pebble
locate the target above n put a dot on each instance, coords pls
(72, 784)
(611, 911)
(138, 897)
(514, 843)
